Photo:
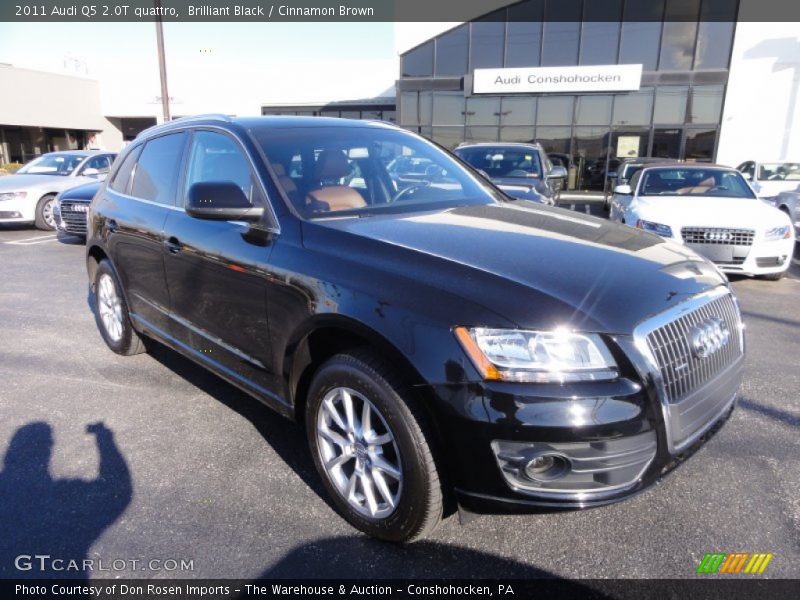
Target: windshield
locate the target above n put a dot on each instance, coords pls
(499, 161)
(779, 172)
(694, 182)
(53, 164)
(361, 171)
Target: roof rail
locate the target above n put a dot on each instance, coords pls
(205, 117)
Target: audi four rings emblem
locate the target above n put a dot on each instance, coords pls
(718, 236)
(708, 337)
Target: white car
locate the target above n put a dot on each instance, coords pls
(713, 211)
(769, 179)
(28, 196)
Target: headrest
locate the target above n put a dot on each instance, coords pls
(331, 164)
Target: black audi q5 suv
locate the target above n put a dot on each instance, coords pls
(444, 346)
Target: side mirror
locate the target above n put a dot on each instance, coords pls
(483, 173)
(220, 201)
(747, 176)
(557, 173)
(94, 174)
(623, 190)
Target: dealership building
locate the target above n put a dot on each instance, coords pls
(599, 80)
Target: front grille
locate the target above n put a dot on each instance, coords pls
(74, 221)
(718, 235)
(681, 370)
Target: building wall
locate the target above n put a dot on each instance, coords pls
(761, 116)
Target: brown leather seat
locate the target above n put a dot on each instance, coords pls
(333, 165)
(700, 188)
(288, 184)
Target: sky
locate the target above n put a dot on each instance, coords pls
(212, 67)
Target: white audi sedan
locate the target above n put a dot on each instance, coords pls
(28, 196)
(712, 210)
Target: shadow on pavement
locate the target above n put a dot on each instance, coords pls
(62, 518)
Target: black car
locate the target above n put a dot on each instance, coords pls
(522, 171)
(72, 206)
(443, 345)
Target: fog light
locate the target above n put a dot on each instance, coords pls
(547, 467)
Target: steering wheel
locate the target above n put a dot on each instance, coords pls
(408, 190)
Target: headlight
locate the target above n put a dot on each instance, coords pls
(537, 356)
(777, 233)
(657, 228)
(13, 195)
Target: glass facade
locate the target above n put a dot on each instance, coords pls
(683, 46)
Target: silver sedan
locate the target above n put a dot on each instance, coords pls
(789, 202)
(28, 196)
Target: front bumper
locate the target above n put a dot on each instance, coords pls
(613, 438)
(18, 210)
(762, 258)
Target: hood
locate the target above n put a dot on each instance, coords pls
(50, 183)
(537, 266)
(679, 211)
(81, 193)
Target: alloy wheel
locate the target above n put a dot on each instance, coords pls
(359, 453)
(110, 307)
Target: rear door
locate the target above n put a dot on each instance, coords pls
(216, 270)
(136, 206)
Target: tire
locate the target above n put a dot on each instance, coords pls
(774, 276)
(404, 486)
(45, 220)
(111, 313)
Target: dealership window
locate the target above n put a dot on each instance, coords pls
(448, 108)
(641, 33)
(480, 134)
(487, 38)
(425, 108)
(715, 34)
(408, 108)
(524, 34)
(593, 110)
(419, 62)
(666, 143)
(678, 36)
(451, 53)
(670, 104)
(699, 145)
(634, 108)
(554, 139)
(449, 137)
(518, 111)
(555, 110)
(562, 33)
(629, 142)
(590, 143)
(600, 34)
(483, 111)
(517, 134)
(390, 115)
(706, 104)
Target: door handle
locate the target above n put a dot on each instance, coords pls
(112, 226)
(173, 245)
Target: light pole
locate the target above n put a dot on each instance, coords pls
(162, 64)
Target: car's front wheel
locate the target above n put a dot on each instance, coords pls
(111, 313)
(372, 447)
(45, 219)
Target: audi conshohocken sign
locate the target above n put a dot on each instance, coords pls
(595, 78)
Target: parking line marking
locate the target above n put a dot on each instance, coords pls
(42, 239)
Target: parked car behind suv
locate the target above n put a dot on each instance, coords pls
(768, 179)
(72, 207)
(521, 170)
(441, 343)
(28, 196)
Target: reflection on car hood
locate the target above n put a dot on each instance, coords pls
(16, 183)
(83, 193)
(710, 212)
(536, 266)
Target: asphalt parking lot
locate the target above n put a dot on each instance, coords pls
(194, 470)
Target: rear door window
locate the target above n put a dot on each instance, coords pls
(157, 170)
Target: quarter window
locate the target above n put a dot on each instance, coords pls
(157, 169)
(122, 179)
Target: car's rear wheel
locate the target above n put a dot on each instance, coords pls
(371, 445)
(111, 313)
(45, 218)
